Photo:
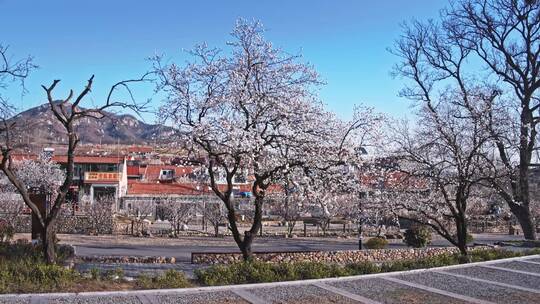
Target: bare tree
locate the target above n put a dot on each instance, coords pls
(213, 213)
(68, 113)
(141, 212)
(100, 214)
(503, 37)
(178, 212)
(444, 156)
(13, 71)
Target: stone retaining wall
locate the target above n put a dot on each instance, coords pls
(128, 259)
(71, 224)
(341, 257)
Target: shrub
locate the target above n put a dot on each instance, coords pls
(363, 268)
(26, 250)
(30, 276)
(170, 279)
(64, 252)
(95, 273)
(376, 243)
(314, 270)
(417, 236)
(21, 251)
(257, 272)
(115, 274)
(244, 272)
(6, 231)
(493, 254)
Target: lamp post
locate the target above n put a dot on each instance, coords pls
(360, 238)
(360, 233)
(360, 220)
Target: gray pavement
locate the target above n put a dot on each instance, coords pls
(182, 252)
(515, 280)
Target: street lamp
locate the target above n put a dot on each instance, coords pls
(360, 233)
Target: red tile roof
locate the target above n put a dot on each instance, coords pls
(80, 159)
(145, 188)
(140, 149)
(141, 188)
(133, 170)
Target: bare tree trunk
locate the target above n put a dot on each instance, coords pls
(216, 230)
(462, 237)
(244, 244)
(48, 246)
(525, 219)
(290, 227)
(245, 247)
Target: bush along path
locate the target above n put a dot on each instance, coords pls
(260, 272)
(22, 270)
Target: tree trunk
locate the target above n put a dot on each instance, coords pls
(245, 243)
(462, 240)
(461, 235)
(245, 247)
(48, 246)
(290, 227)
(524, 217)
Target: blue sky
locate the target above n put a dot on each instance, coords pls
(345, 40)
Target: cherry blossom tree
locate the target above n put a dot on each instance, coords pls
(334, 185)
(252, 109)
(11, 205)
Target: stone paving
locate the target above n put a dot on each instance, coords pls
(515, 280)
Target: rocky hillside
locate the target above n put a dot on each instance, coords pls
(41, 127)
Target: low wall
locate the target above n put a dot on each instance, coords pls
(128, 259)
(71, 224)
(341, 257)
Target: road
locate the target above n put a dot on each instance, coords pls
(181, 248)
(507, 281)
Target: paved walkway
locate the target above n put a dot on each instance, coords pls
(515, 280)
(182, 248)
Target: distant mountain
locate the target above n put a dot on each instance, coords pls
(41, 127)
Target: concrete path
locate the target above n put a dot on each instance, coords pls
(515, 280)
(181, 248)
